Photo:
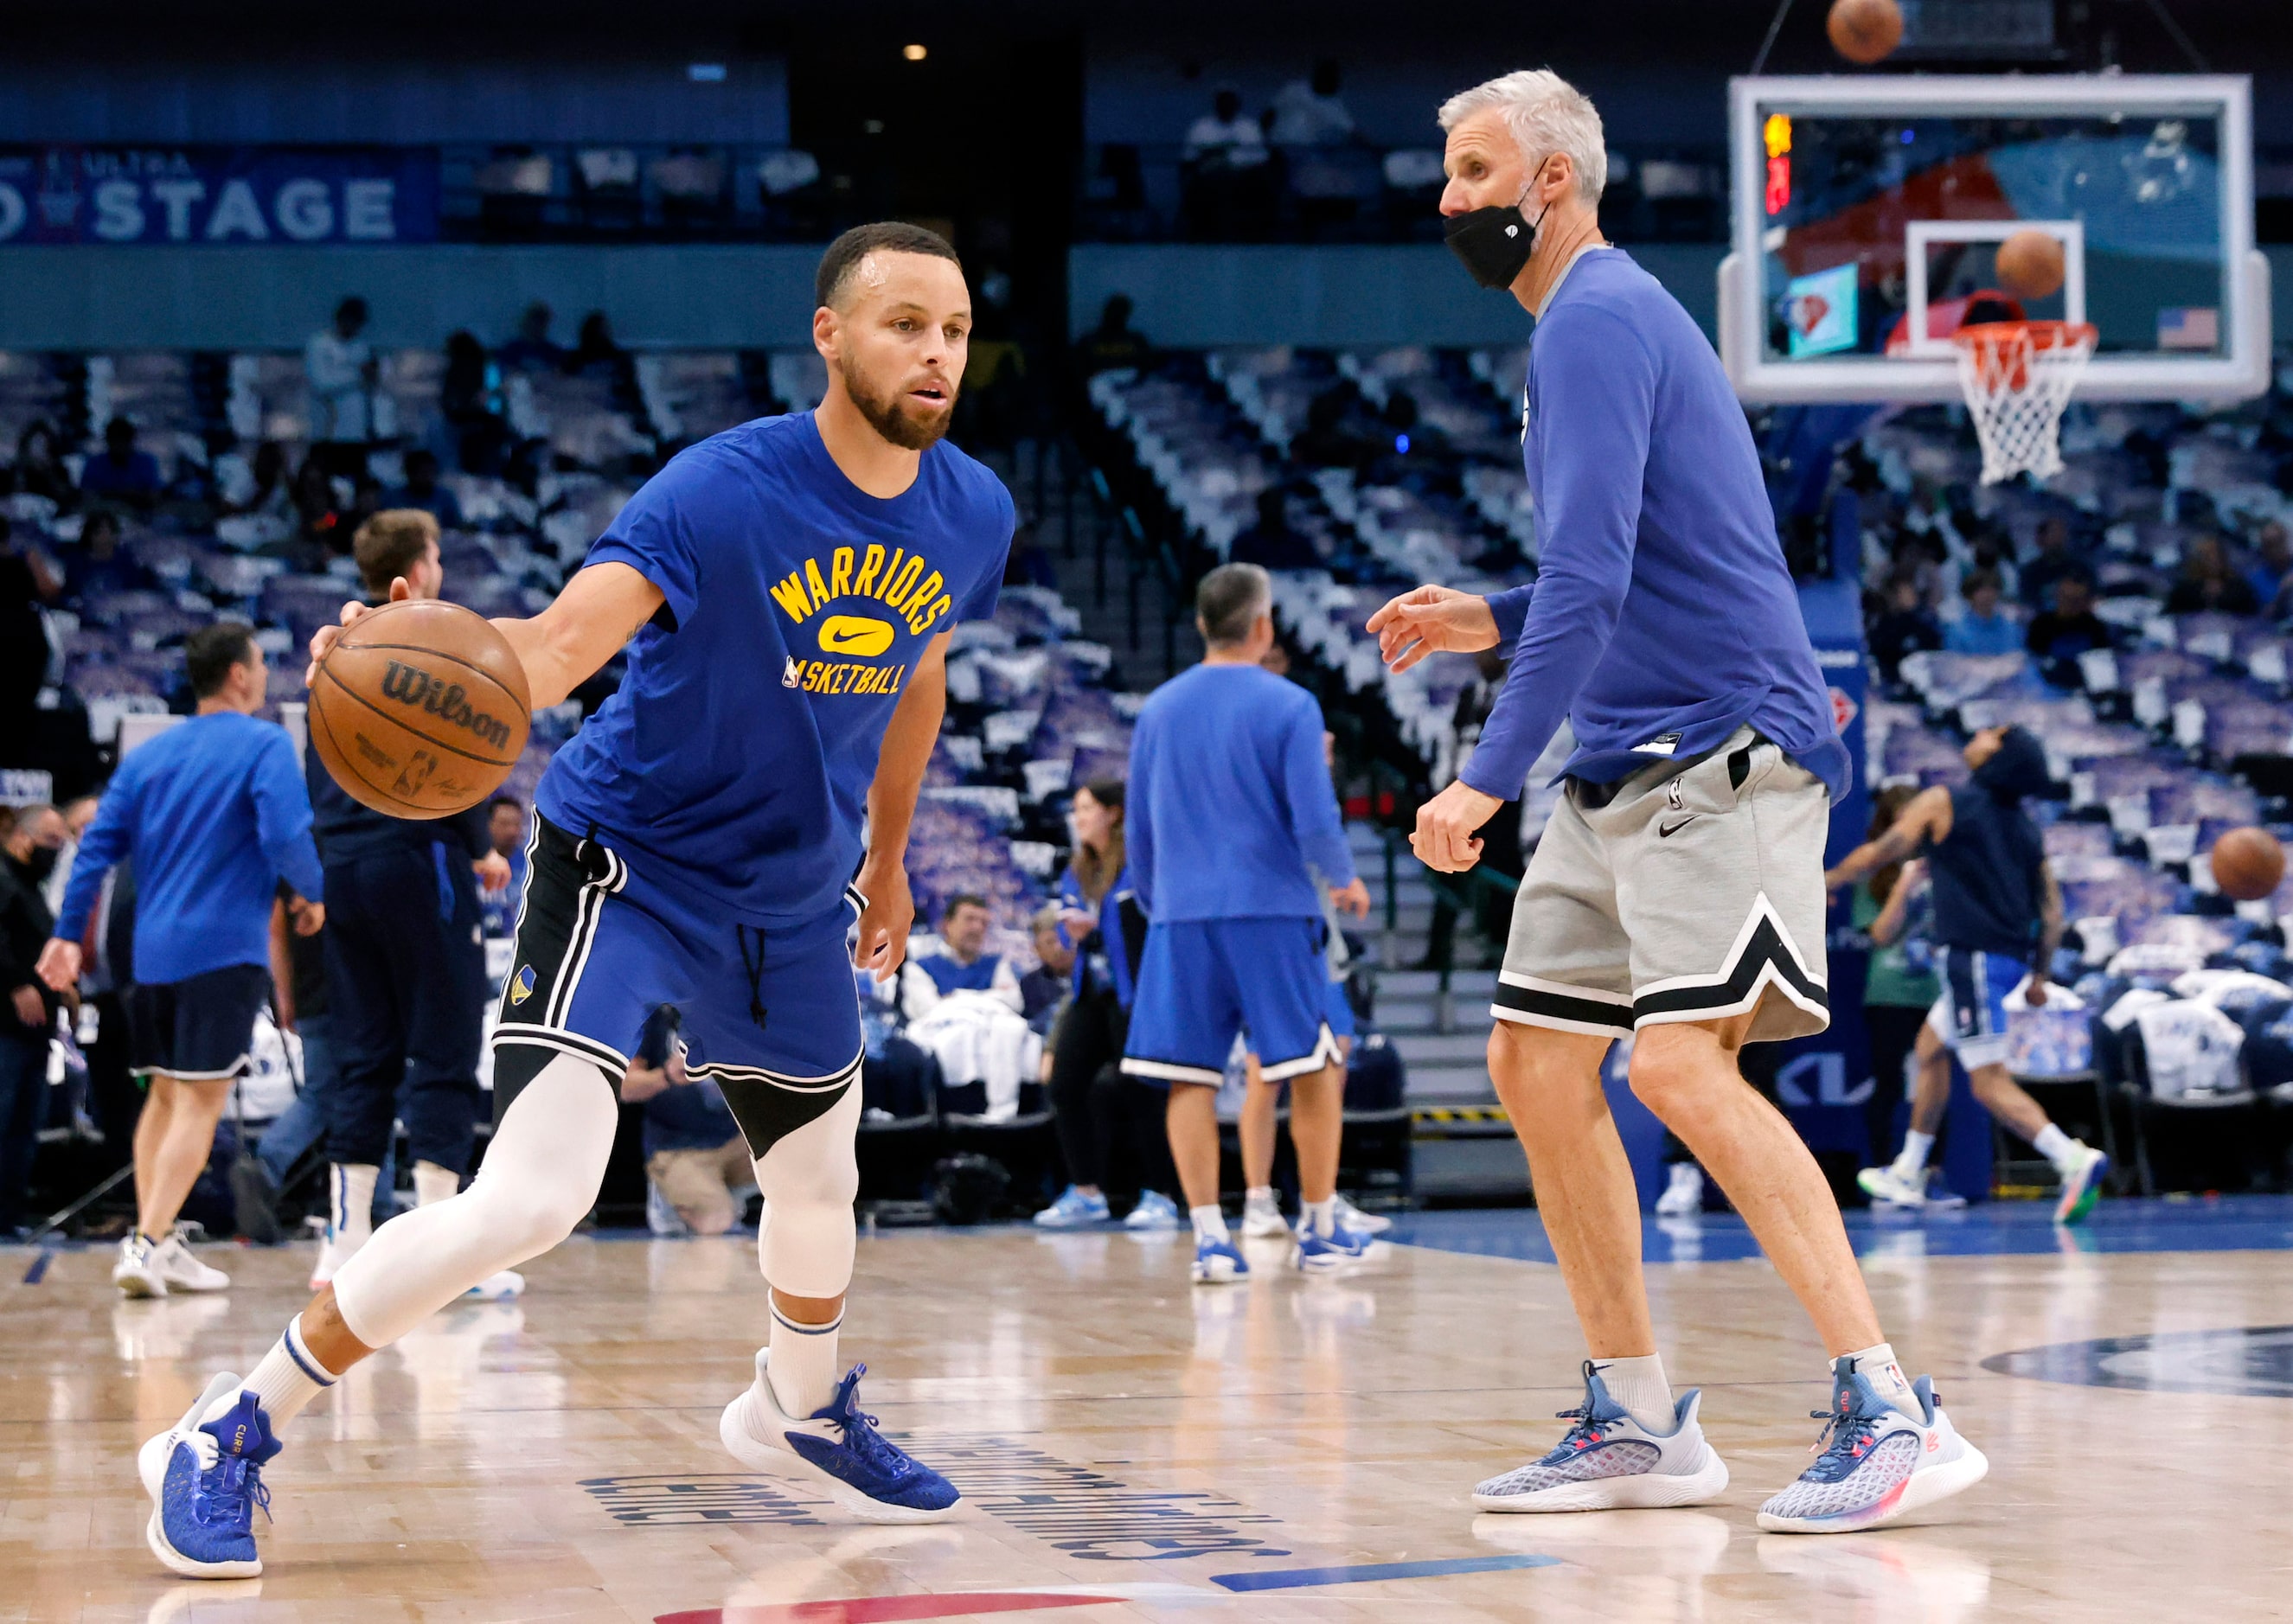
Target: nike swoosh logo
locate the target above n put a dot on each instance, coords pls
(1665, 831)
(854, 634)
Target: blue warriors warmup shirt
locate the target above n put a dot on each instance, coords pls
(1662, 617)
(733, 764)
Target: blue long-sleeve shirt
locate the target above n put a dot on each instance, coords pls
(1230, 800)
(213, 813)
(1662, 617)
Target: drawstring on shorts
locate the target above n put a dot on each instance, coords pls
(756, 969)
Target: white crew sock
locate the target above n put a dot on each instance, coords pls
(2056, 1146)
(1318, 1217)
(353, 1215)
(1638, 1385)
(1210, 1225)
(288, 1377)
(1916, 1147)
(1258, 1195)
(433, 1184)
(802, 1366)
(1877, 1365)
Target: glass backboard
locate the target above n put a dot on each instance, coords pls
(1869, 213)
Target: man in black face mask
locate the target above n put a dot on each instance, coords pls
(28, 853)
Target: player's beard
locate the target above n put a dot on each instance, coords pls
(887, 412)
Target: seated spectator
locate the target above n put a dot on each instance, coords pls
(1044, 988)
(1027, 564)
(1985, 628)
(1329, 440)
(2071, 627)
(594, 352)
(964, 963)
(1224, 136)
(1270, 543)
(271, 492)
(2050, 563)
(423, 490)
(2272, 566)
(29, 839)
(2207, 584)
(39, 470)
(695, 1157)
(320, 530)
(1310, 113)
(340, 367)
(1113, 343)
(119, 473)
(97, 568)
(533, 349)
(470, 399)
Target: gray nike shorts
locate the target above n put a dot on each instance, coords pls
(1692, 890)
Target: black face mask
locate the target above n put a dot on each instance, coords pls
(1495, 242)
(40, 863)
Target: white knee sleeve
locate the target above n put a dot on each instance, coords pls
(809, 1178)
(541, 1176)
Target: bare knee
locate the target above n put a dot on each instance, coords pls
(1676, 1069)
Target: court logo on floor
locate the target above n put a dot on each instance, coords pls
(2250, 1361)
(685, 1498)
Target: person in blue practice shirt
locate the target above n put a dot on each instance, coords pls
(1231, 815)
(212, 815)
(1677, 895)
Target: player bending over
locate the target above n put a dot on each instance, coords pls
(1678, 892)
(1997, 919)
(791, 585)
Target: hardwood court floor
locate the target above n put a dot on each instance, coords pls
(1282, 1450)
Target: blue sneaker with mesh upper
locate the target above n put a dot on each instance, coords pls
(1218, 1262)
(206, 1479)
(836, 1448)
(1875, 1463)
(1316, 1253)
(1074, 1210)
(1608, 1461)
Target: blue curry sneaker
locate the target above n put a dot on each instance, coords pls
(2081, 1184)
(836, 1448)
(204, 1480)
(1074, 1210)
(1608, 1461)
(1319, 1253)
(1876, 1463)
(1217, 1263)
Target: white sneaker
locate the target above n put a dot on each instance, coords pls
(1608, 1461)
(333, 1254)
(1684, 1197)
(498, 1288)
(1350, 1217)
(1262, 1219)
(836, 1449)
(182, 1271)
(1890, 1186)
(1156, 1214)
(137, 1274)
(1877, 1463)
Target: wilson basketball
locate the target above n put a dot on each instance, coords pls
(420, 709)
(2030, 265)
(1865, 31)
(2248, 864)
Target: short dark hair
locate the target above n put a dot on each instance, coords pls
(1230, 597)
(1977, 580)
(122, 425)
(390, 544)
(510, 801)
(884, 237)
(210, 652)
(963, 899)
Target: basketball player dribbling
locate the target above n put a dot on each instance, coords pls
(1678, 892)
(791, 585)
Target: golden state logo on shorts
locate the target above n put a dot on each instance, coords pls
(855, 635)
(521, 989)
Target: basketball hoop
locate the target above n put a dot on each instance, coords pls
(2017, 376)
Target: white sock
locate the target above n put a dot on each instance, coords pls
(1639, 1387)
(2056, 1146)
(288, 1377)
(353, 1216)
(1259, 1195)
(1209, 1223)
(1916, 1147)
(1877, 1365)
(433, 1184)
(802, 1367)
(1319, 1217)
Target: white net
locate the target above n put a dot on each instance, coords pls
(2017, 376)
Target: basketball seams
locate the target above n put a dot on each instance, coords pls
(346, 647)
(350, 693)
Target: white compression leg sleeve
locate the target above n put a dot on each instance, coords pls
(809, 1179)
(539, 1179)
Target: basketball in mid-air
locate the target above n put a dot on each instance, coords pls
(2248, 864)
(1865, 31)
(2030, 264)
(420, 709)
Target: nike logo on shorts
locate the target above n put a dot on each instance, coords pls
(1665, 831)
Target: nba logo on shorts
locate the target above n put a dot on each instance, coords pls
(521, 989)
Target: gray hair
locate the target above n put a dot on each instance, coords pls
(1546, 115)
(1230, 599)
